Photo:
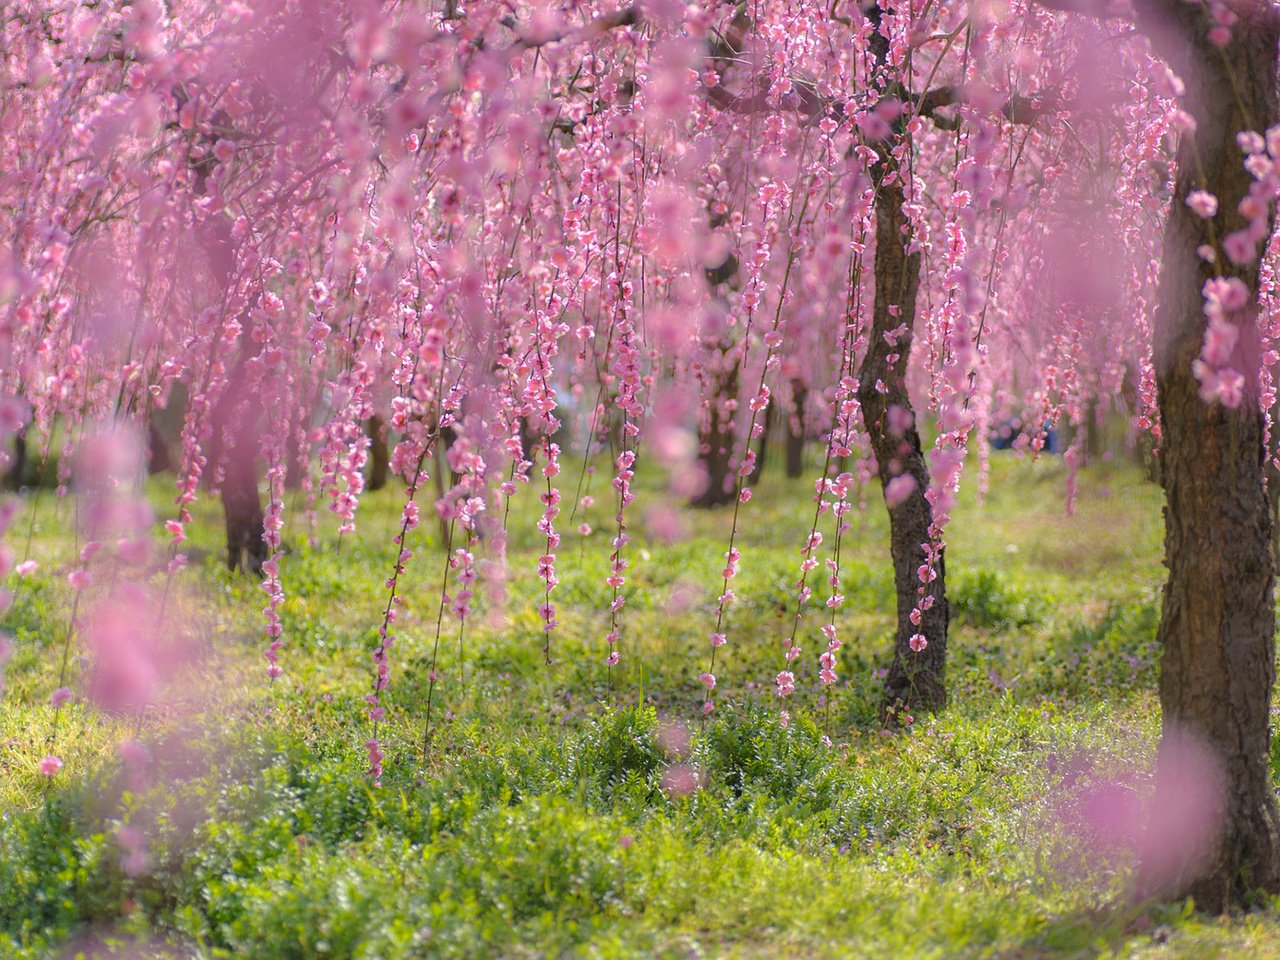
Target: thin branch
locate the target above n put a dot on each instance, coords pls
(626, 17)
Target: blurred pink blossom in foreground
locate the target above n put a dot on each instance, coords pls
(1168, 824)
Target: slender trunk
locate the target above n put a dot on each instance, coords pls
(1217, 626)
(235, 417)
(242, 507)
(762, 449)
(1272, 476)
(234, 449)
(1094, 442)
(440, 452)
(917, 679)
(379, 454)
(716, 454)
(159, 457)
(795, 431)
(15, 476)
(295, 469)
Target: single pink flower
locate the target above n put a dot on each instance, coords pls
(1202, 203)
(786, 683)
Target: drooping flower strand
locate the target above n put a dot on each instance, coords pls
(772, 196)
(409, 460)
(844, 411)
(846, 416)
(79, 579)
(546, 526)
(627, 371)
(275, 450)
(471, 469)
(953, 383)
(409, 519)
(447, 513)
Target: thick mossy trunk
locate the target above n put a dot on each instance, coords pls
(917, 679)
(1217, 626)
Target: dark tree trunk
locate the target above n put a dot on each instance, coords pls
(379, 454)
(236, 414)
(1217, 625)
(295, 468)
(1094, 433)
(795, 431)
(243, 509)
(1143, 445)
(716, 454)
(762, 449)
(234, 450)
(159, 457)
(15, 476)
(916, 680)
(1273, 489)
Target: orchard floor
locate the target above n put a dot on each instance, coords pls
(538, 822)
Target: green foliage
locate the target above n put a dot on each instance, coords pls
(985, 600)
(543, 823)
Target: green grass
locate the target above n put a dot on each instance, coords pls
(541, 822)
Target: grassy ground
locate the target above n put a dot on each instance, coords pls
(542, 823)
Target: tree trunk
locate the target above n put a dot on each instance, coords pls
(1272, 480)
(295, 469)
(1217, 626)
(15, 475)
(795, 431)
(716, 453)
(234, 448)
(762, 449)
(242, 508)
(916, 679)
(1094, 430)
(159, 457)
(235, 417)
(379, 455)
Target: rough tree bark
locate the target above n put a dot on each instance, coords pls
(1217, 626)
(915, 680)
